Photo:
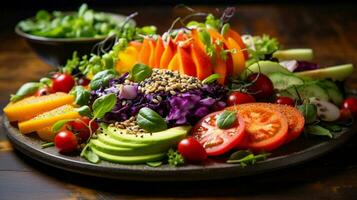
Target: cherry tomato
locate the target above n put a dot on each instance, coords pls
(261, 87)
(345, 114)
(285, 101)
(192, 150)
(266, 128)
(81, 127)
(43, 91)
(66, 141)
(236, 98)
(63, 83)
(83, 81)
(351, 104)
(218, 141)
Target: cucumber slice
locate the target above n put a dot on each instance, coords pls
(282, 81)
(336, 73)
(264, 67)
(332, 90)
(307, 91)
(294, 54)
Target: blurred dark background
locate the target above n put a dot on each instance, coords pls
(16, 10)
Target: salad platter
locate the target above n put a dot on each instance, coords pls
(197, 102)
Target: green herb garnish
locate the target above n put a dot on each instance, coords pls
(150, 120)
(226, 119)
(140, 72)
(175, 158)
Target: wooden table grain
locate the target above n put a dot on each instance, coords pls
(331, 30)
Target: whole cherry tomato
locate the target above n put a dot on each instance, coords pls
(192, 150)
(285, 101)
(83, 81)
(66, 141)
(345, 114)
(81, 125)
(261, 87)
(236, 98)
(351, 104)
(63, 83)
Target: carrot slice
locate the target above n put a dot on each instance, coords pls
(202, 61)
(168, 54)
(186, 64)
(159, 49)
(238, 57)
(144, 54)
(233, 34)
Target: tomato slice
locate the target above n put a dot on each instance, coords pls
(266, 128)
(218, 141)
(295, 119)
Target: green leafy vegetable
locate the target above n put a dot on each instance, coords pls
(309, 112)
(150, 120)
(317, 130)
(175, 158)
(82, 95)
(84, 111)
(332, 127)
(262, 46)
(59, 124)
(226, 119)
(246, 157)
(101, 79)
(47, 144)
(154, 164)
(211, 78)
(25, 90)
(88, 154)
(103, 105)
(140, 72)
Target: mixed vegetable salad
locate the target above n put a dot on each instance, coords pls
(81, 24)
(198, 91)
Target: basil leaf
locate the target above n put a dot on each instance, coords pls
(140, 72)
(84, 111)
(332, 127)
(226, 119)
(82, 96)
(88, 154)
(101, 79)
(25, 90)
(211, 78)
(150, 120)
(317, 130)
(59, 124)
(154, 164)
(309, 112)
(103, 105)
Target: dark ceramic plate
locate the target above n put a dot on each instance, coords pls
(296, 152)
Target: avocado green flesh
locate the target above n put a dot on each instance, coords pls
(128, 159)
(175, 133)
(336, 73)
(264, 67)
(110, 139)
(116, 145)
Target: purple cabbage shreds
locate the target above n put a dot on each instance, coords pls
(305, 66)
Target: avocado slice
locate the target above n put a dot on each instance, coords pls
(109, 138)
(294, 54)
(336, 73)
(120, 151)
(167, 136)
(128, 159)
(265, 67)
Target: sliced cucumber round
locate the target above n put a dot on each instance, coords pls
(281, 81)
(307, 91)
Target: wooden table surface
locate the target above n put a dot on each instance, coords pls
(331, 30)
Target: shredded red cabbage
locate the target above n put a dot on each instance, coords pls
(305, 66)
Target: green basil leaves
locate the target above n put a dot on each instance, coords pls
(103, 105)
(211, 78)
(102, 79)
(150, 120)
(25, 90)
(309, 111)
(140, 72)
(226, 119)
(82, 95)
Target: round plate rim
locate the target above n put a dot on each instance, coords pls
(185, 173)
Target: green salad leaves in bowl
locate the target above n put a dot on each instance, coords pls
(55, 36)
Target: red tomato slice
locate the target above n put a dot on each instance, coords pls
(218, 141)
(266, 128)
(295, 119)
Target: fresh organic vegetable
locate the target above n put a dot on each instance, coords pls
(66, 142)
(261, 86)
(192, 150)
(83, 23)
(44, 91)
(285, 101)
(81, 127)
(236, 98)
(150, 121)
(218, 141)
(350, 104)
(326, 111)
(63, 83)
